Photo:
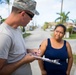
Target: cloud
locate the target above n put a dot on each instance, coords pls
(48, 10)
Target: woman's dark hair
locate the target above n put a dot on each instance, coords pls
(61, 25)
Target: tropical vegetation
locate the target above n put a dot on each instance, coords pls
(63, 17)
(5, 2)
(74, 21)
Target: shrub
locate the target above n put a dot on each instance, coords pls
(70, 29)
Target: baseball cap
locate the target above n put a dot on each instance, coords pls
(29, 5)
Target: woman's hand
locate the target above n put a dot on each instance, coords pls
(35, 52)
(43, 72)
(67, 73)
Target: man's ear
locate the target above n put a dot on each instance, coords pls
(23, 13)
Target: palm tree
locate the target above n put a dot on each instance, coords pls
(0, 19)
(6, 2)
(74, 21)
(1, 1)
(63, 17)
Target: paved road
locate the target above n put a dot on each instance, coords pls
(36, 38)
(34, 41)
(73, 45)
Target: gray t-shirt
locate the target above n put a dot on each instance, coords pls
(12, 48)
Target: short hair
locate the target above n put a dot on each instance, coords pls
(61, 25)
(15, 10)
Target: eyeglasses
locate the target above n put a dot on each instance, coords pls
(30, 15)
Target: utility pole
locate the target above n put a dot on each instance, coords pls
(61, 6)
(61, 10)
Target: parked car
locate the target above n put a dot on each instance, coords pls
(51, 29)
(31, 29)
(74, 29)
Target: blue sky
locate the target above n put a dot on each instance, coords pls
(47, 10)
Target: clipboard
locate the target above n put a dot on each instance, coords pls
(47, 59)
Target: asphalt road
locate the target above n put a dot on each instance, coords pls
(35, 40)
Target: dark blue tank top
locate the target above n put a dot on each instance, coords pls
(56, 54)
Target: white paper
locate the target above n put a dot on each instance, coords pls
(48, 60)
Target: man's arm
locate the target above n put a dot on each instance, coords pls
(7, 69)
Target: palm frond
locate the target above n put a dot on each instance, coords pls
(58, 19)
(8, 1)
(5, 1)
(1, 1)
(67, 13)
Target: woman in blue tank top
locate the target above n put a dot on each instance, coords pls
(56, 49)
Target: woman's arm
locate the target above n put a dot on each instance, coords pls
(41, 63)
(70, 58)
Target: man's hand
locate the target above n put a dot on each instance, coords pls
(28, 58)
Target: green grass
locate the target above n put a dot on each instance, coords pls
(72, 36)
(74, 58)
(26, 34)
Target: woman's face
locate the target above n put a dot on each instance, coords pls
(59, 33)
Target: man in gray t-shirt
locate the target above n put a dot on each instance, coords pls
(14, 57)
